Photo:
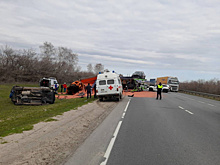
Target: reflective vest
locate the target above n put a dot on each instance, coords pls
(160, 86)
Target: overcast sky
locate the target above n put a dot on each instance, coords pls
(160, 37)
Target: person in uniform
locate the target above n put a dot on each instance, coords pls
(159, 90)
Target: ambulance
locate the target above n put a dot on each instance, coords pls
(108, 85)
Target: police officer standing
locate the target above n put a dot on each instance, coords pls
(159, 89)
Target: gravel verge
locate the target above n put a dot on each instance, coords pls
(52, 142)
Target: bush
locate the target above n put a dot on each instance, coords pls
(211, 86)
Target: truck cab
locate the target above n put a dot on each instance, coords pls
(108, 85)
(152, 85)
(173, 82)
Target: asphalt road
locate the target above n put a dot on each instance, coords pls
(180, 129)
(177, 130)
(92, 151)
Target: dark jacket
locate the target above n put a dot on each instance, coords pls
(88, 88)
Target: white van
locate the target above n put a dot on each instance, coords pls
(49, 82)
(108, 85)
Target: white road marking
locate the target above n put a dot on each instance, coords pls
(123, 115)
(189, 112)
(181, 107)
(111, 144)
(198, 101)
(127, 105)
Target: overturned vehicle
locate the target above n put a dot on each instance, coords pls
(32, 95)
(75, 87)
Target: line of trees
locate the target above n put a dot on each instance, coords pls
(28, 66)
(211, 86)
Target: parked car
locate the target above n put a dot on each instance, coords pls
(166, 88)
(153, 88)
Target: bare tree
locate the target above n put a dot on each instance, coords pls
(211, 86)
(27, 65)
(8, 63)
(90, 68)
(98, 68)
(47, 59)
(66, 56)
(48, 51)
(66, 64)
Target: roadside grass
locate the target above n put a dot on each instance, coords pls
(19, 118)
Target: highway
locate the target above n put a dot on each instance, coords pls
(180, 129)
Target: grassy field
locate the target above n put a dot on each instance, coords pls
(16, 119)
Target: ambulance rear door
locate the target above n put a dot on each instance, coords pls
(111, 86)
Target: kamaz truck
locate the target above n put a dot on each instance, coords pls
(173, 82)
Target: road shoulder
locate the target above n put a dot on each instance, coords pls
(91, 152)
(53, 142)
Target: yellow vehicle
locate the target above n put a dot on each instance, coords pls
(172, 82)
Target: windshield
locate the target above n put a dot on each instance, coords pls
(173, 81)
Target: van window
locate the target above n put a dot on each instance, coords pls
(110, 81)
(102, 82)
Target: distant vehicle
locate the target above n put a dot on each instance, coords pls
(139, 75)
(49, 82)
(108, 85)
(152, 85)
(173, 82)
(153, 88)
(140, 84)
(128, 82)
(165, 88)
(152, 82)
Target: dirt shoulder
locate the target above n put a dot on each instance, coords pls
(53, 142)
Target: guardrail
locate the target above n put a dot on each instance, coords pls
(217, 97)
